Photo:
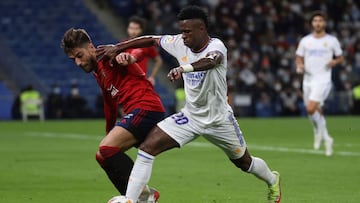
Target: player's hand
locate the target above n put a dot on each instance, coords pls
(175, 73)
(107, 52)
(152, 80)
(300, 69)
(125, 59)
(331, 64)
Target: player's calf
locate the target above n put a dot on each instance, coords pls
(117, 166)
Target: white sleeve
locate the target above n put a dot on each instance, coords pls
(300, 51)
(169, 43)
(337, 48)
(217, 46)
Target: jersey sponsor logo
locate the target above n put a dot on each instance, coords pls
(169, 39)
(112, 89)
(317, 52)
(194, 78)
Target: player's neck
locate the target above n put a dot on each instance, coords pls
(319, 34)
(205, 44)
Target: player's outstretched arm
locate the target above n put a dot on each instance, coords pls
(109, 52)
(211, 60)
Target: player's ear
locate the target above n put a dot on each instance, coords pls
(91, 46)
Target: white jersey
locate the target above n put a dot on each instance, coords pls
(206, 91)
(317, 53)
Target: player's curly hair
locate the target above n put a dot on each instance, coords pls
(317, 13)
(193, 12)
(74, 38)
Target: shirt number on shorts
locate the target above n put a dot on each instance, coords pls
(180, 118)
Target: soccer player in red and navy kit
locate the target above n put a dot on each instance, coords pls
(122, 84)
(135, 28)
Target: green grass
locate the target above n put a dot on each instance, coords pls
(54, 162)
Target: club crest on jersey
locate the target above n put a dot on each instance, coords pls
(194, 79)
(112, 89)
(184, 59)
(169, 39)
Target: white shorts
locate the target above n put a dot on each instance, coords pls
(316, 92)
(226, 135)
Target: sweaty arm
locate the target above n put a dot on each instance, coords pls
(211, 60)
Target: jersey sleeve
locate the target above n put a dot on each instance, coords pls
(300, 51)
(169, 43)
(337, 48)
(218, 46)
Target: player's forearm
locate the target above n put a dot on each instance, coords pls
(339, 60)
(157, 65)
(204, 64)
(139, 42)
(211, 60)
(299, 62)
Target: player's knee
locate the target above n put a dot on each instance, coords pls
(244, 162)
(243, 165)
(104, 153)
(148, 148)
(310, 109)
(100, 159)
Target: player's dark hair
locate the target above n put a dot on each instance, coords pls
(317, 13)
(138, 20)
(193, 12)
(74, 38)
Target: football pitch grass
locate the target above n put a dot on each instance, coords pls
(54, 162)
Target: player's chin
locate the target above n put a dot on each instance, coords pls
(186, 43)
(87, 69)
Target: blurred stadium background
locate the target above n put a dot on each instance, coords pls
(261, 37)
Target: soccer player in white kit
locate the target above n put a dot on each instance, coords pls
(315, 59)
(203, 65)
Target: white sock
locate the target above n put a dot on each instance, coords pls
(140, 175)
(323, 128)
(315, 119)
(259, 168)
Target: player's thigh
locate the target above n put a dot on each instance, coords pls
(306, 93)
(132, 128)
(179, 127)
(119, 137)
(228, 137)
(319, 92)
(157, 142)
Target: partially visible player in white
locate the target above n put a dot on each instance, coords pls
(316, 55)
(203, 66)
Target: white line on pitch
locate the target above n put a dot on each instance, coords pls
(193, 144)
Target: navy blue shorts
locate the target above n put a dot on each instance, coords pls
(139, 122)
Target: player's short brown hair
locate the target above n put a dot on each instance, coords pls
(317, 13)
(74, 38)
(138, 20)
